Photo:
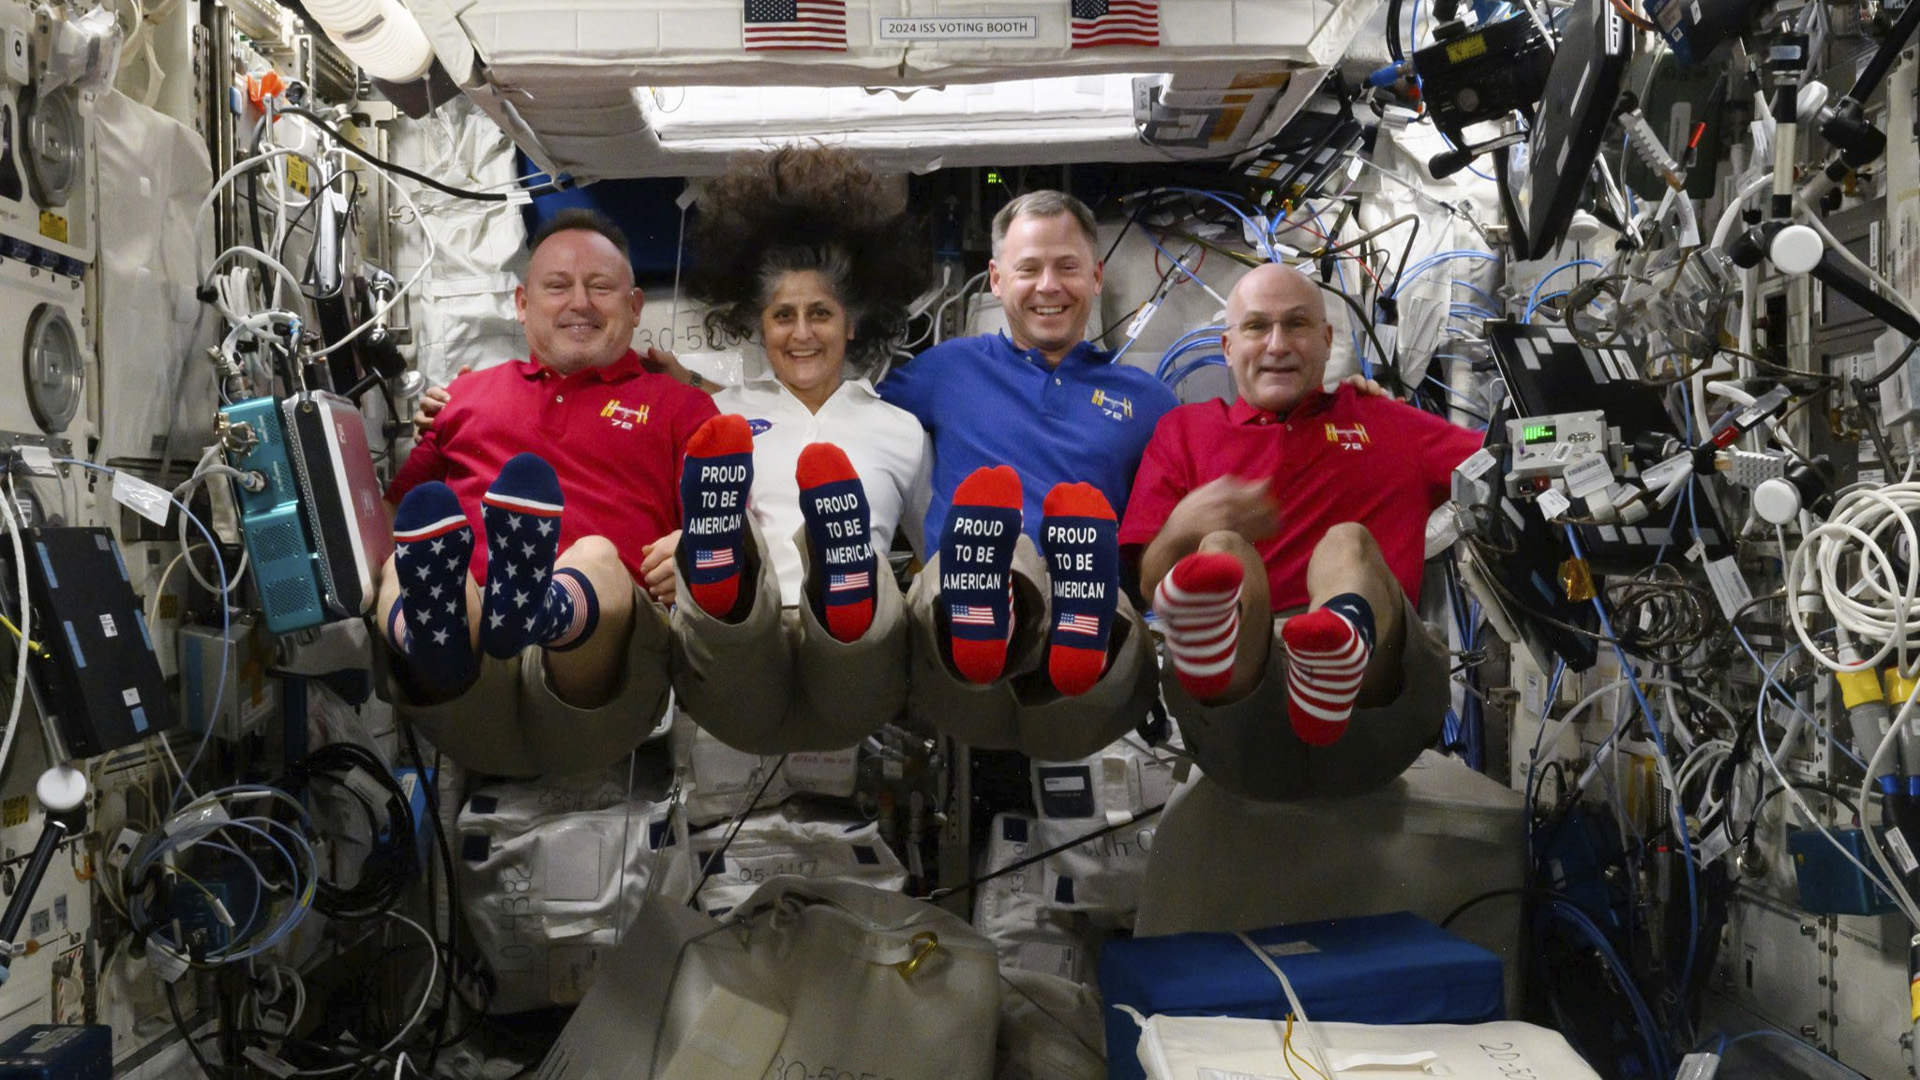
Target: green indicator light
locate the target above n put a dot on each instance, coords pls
(1534, 433)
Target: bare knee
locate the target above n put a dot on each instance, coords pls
(596, 557)
(1346, 546)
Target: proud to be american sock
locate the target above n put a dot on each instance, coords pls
(834, 505)
(1199, 604)
(1327, 653)
(713, 505)
(521, 511)
(432, 545)
(976, 558)
(1079, 534)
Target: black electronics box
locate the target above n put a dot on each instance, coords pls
(1547, 371)
(99, 679)
(1589, 71)
(340, 496)
(58, 1052)
(1484, 74)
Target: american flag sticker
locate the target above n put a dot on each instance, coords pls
(796, 24)
(1078, 624)
(847, 582)
(970, 614)
(712, 560)
(1115, 22)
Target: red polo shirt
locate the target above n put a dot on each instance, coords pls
(615, 436)
(1335, 457)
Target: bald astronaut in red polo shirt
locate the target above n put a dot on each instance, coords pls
(1321, 498)
(610, 436)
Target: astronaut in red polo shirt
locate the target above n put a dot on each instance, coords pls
(534, 529)
(1282, 536)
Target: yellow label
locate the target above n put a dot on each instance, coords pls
(53, 226)
(14, 811)
(1466, 48)
(297, 175)
(1913, 994)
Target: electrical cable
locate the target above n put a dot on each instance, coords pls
(15, 529)
(226, 625)
(459, 193)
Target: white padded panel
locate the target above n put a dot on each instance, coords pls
(1007, 102)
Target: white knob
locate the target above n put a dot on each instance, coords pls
(1583, 228)
(1813, 98)
(1796, 249)
(1776, 501)
(61, 788)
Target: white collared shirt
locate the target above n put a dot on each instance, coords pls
(886, 445)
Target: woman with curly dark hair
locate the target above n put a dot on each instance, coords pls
(790, 633)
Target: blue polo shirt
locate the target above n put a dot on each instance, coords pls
(985, 401)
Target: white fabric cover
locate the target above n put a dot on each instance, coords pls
(771, 844)
(550, 875)
(722, 781)
(804, 977)
(1101, 876)
(1012, 911)
(153, 383)
(559, 872)
(1050, 1029)
(1229, 1048)
(463, 311)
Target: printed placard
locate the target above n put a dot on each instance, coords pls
(960, 28)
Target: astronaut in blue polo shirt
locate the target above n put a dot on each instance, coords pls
(1036, 435)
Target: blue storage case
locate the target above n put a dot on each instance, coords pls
(1373, 969)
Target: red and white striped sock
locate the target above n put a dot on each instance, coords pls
(1327, 654)
(1199, 604)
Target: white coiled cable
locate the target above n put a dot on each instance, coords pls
(1848, 560)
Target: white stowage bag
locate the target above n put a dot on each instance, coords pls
(1012, 911)
(771, 844)
(1229, 1048)
(548, 878)
(1102, 875)
(1050, 1029)
(550, 875)
(722, 781)
(804, 978)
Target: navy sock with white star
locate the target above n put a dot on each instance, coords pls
(432, 545)
(522, 515)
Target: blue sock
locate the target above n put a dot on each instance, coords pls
(568, 614)
(833, 504)
(714, 481)
(522, 514)
(976, 562)
(1080, 535)
(432, 546)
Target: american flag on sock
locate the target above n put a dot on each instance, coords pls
(843, 582)
(971, 614)
(712, 560)
(1079, 624)
(796, 24)
(1115, 22)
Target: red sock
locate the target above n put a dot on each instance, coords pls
(833, 503)
(1080, 535)
(713, 503)
(976, 560)
(1327, 653)
(1199, 603)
